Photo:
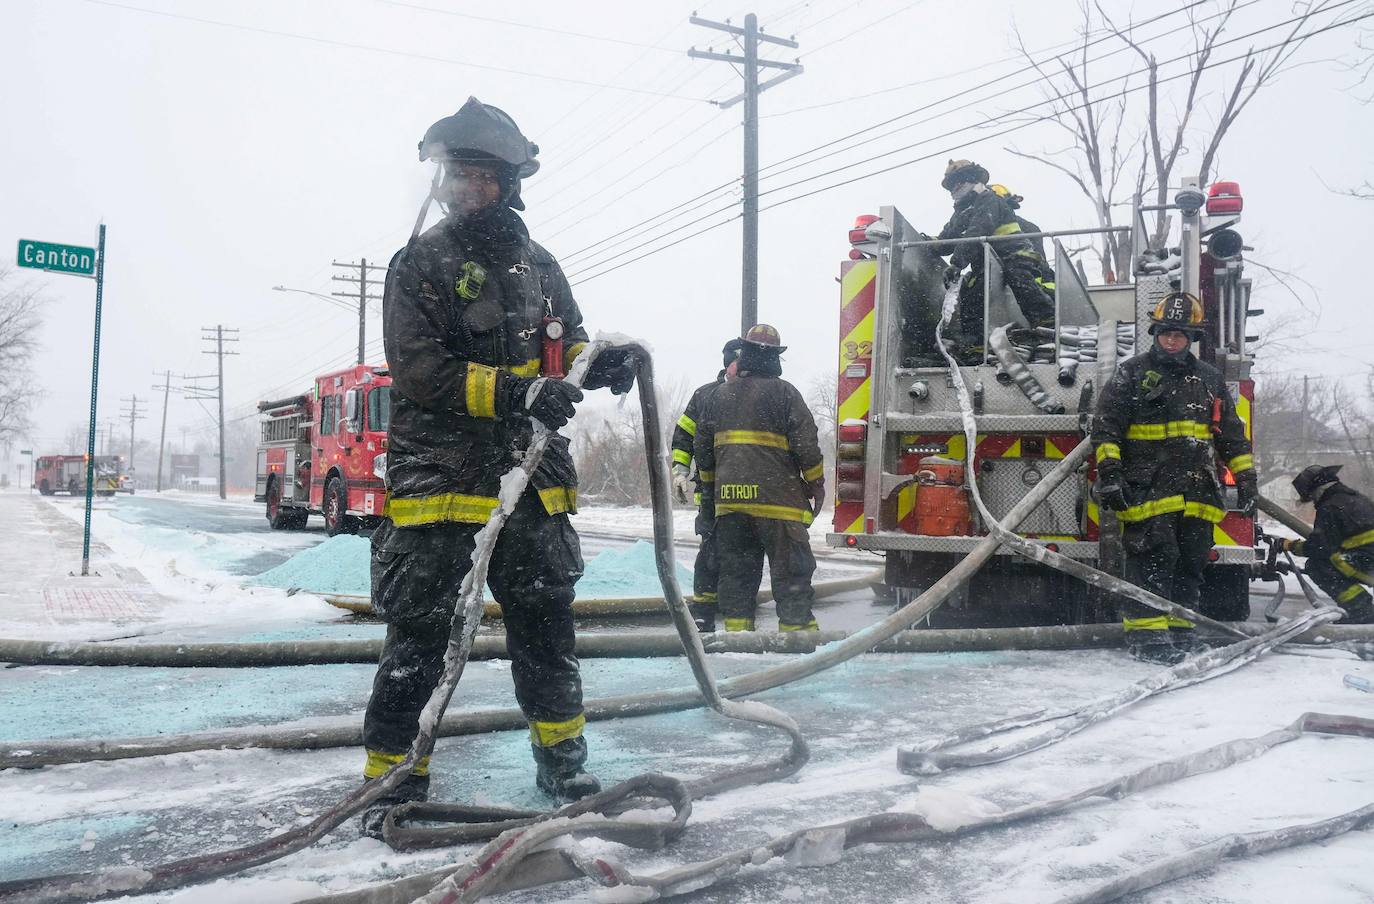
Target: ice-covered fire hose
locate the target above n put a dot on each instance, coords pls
(512, 859)
(576, 818)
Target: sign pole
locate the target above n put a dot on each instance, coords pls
(95, 387)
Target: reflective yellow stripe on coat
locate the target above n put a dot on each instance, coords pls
(1169, 504)
(1363, 539)
(751, 438)
(1171, 430)
(759, 510)
(444, 507)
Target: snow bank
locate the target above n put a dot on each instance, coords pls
(340, 565)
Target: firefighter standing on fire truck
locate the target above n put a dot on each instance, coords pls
(478, 321)
(1340, 551)
(756, 449)
(979, 211)
(706, 571)
(1157, 424)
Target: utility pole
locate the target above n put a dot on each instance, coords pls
(134, 416)
(166, 388)
(752, 36)
(218, 335)
(360, 296)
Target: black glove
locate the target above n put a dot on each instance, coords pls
(817, 490)
(1247, 493)
(952, 275)
(547, 400)
(615, 367)
(1112, 493)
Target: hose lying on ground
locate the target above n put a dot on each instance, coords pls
(821, 845)
(629, 605)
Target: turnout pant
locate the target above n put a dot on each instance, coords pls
(706, 570)
(1342, 576)
(417, 573)
(1166, 555)
(1031, 282)
(742, 542)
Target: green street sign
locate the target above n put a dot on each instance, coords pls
(58, 258)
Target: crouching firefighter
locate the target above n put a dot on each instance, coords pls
(467, 316)
(706, 570)
(1158, 425)
(980, 211)
(757, 451)
(1340, 551)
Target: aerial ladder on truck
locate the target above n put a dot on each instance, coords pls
(902, 480)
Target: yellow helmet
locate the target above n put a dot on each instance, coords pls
(1178, 311)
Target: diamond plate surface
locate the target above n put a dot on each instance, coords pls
(1003, 482)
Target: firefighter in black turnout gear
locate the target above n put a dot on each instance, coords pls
(758, 453)
(979, 211)
(706, 571)
(1340, 551)
(1159, 423)
(466, 314)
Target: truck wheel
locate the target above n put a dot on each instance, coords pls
(279, 517)
(1225, 593)
(336, 518)
(44, 488)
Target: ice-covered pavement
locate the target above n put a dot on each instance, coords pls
(77, 817)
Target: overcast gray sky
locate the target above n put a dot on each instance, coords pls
(231, 147)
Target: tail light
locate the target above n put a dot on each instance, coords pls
(850, 453)
(859, 233)
(1213, 555)
(1224, 199)
(1052, 547)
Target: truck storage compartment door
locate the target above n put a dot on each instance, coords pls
(1003, 482)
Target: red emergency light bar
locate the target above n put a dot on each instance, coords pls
(860, 231)
(1224, 199)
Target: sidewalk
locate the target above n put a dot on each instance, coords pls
(42, 593)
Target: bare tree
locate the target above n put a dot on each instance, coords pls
(20, 316)
(1118, 134)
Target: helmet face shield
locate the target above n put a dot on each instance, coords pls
(480, 130)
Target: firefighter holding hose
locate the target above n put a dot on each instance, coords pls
(757, 451)
(1340, 551)
(1159, 424)
(479, 324)
(706, 570)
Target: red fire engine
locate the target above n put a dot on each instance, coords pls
(324, 452)
(67, 474)
(902, 484)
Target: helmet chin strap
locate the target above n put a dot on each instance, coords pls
(429, 198)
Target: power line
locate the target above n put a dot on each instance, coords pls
(573, 277)
(351, 45)
(716, 191)
(530, 26)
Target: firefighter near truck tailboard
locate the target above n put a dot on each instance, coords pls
(904, 469)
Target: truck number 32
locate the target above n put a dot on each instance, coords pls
(853, 350)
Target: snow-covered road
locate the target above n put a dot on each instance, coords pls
(193, 555)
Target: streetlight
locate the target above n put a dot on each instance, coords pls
(338, 302)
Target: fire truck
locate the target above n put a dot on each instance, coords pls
(67, 474)
(324, 452)
(901, 490)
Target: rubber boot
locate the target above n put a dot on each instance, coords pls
(810, 625)
(704, 614)
(559, 770)
(1153, 645)
(1186, 641)
(1359, 611)
(415, 787)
